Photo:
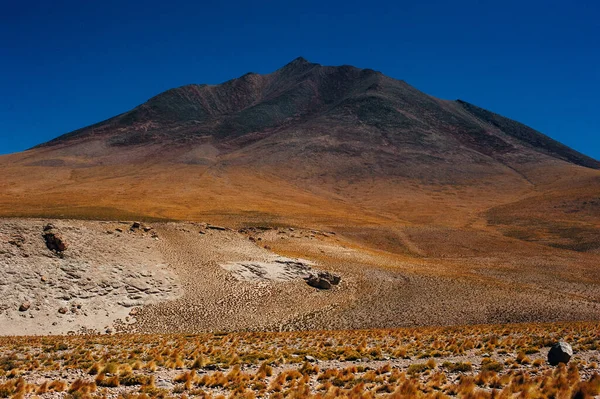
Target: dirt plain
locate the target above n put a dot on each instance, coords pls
(177, 278)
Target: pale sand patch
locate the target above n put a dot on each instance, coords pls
(280, 269)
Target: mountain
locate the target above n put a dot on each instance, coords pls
(432, 212)
(307, 96)
(304, 144)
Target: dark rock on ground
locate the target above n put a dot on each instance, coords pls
(323, 280)
(54, 241)
(332, 278)
(49, 227)
(24, 306)
(212, 227)
(317, 282)
(560, 352)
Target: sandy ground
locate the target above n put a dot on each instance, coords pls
(194, 277)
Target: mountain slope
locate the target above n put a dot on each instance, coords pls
(304, 144)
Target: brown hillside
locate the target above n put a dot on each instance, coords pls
(410, 183)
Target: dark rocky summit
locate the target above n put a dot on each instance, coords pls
(361, 111)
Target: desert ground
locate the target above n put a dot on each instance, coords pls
(185, 277)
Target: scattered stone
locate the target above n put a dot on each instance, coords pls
(310, 359)
(17, 240)
(212, 227)
(119, 230)
(163, 384)
(24, 306)
(49, 227)
(136, 225)
(43, 279)
(560, 352)
(63, 310)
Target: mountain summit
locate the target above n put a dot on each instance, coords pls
(359, 108)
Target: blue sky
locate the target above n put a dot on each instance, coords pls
(68, 64)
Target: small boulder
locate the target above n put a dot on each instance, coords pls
(318, 282)
(136, 225)
(24, 306)
(334, 279)
(560, 352)
(54, 241)
(63, 310)
(323, 280)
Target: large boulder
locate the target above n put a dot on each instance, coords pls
(560, 352)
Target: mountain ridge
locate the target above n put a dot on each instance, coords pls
(301, 92)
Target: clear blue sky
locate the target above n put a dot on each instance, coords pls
(68, 64)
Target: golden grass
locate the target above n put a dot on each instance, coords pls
(132, 363)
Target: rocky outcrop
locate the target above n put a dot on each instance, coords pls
(46, 291)
(323, 280)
